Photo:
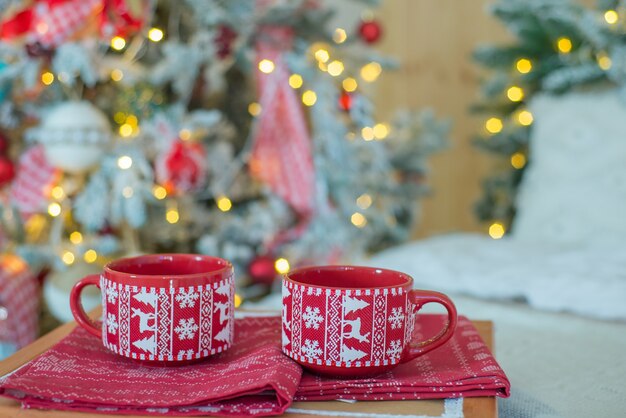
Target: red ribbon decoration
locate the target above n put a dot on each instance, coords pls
(281, 153)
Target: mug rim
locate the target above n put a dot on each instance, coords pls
(113, 274)
(343, 267)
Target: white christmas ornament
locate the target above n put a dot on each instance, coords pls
(74, 135)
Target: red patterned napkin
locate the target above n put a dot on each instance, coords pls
(462, 367)
(79, 374)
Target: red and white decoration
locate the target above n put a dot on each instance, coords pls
(345, 327)
(19, 302)
(182, 168)
(35, 176)
(167, 324)
(281, 152)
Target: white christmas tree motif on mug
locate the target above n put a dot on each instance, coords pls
(349, 354)
(187, 299)
(224, 334)
(286, 325)
(312, 317)
(147, 344)
(147, 298)
(144, 317)
(186, 328)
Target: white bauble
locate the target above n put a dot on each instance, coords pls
(58, 285)
(75, 136)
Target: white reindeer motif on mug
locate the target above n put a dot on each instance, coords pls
(222, 307)
(355, 330)
(143, 320)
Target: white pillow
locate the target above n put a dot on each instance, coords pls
(574, 190)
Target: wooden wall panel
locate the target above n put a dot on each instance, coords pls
(434, 39)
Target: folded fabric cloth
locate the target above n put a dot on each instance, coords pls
(463, 367)
(79, 374)
(252, 378)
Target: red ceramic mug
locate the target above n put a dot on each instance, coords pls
(355, 321)
(162, 308)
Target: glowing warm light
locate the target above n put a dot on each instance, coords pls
(295, 81)
(525, 118)
(524, 65)
(335, 68)
(371, 71)
(185, 134)
(358, 220)
(54, 209)
(224, 204)
(322, 55)
(367, 133)
(611, 17)
(518, 160)
(604, 62)
(159, 192)
(132, 120)
(47, 78)
(57, 192)
(564, 45)
(155, 34)
(309, 98)
(128, 192)
(172, 216)
(118, 43)
(90, 256)
(124, 162)
(322, 66)
(68, 258)
(364, 201)
(126, 130)
(119, 117)
(496, 230)
(493, 125)
(266, 66)
(340, 35)
(282, 266)
(349, 84)
(381, 130)
(254, 109)
(117, 75)
(76, 237)
(41, 28)
(238, 300)
(515, 93)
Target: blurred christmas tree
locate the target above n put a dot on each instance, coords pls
(237, 128)
(558, 46)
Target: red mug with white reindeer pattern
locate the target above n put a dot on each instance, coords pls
(355, 321)
(165, 309)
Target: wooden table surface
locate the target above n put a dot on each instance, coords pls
(472, 407)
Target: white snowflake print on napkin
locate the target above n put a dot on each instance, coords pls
(187, 299)
(394, 350)
(112, 324)
(311, 349)
(186, 329)
(312, 317)
(396, 318)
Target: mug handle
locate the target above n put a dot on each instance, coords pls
(419, 298)
(77, 308)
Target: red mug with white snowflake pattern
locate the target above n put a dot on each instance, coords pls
(355, 321)
(165, 309)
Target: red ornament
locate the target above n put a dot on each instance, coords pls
(261, 269)
(7, 170)
(345, 101)
(182, 168)
(370, 31)
(224, 41)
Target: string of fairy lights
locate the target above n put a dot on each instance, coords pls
(517, 95)
(322, 56)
